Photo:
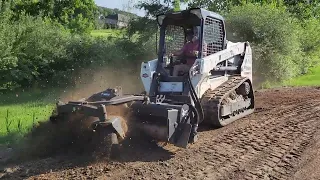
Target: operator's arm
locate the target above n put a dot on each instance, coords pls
(178, 53)
(181, 51)
(192, 50)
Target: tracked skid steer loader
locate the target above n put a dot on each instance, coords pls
(215, 91)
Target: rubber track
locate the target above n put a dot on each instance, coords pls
(213, 98)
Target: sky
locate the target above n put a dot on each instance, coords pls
(123, 5)
(119, 4)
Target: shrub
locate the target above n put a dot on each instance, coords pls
(311, 41)
(35, 51)
(275, 37)
(28, 47)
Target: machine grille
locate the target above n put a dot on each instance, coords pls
(213, 35)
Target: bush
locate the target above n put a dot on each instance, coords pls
(275, 36)
(38, 52)
(311, 41)
(28, 47)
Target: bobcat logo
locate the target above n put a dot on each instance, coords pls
(160, 98)
(184, 112)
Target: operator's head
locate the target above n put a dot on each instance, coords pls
(192, 34)
(189, 34)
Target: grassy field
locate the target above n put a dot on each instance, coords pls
(114, 33)
(312, 78)
(19, 111)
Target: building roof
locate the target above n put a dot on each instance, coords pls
(119, 17)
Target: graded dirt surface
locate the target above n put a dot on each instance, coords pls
(281, 140)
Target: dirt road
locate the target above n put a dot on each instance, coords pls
(281, 140)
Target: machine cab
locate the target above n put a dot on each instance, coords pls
(209, 30)
(207, 27)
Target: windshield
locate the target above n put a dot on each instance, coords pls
(175, 38)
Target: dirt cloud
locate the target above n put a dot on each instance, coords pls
(75, 134)
(91, 81)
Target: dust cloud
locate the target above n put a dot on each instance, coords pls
(75, 134)
(92, 81)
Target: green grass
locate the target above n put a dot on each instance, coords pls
(312, 78)
(19, 111)
(114, 33)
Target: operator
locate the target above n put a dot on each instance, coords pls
(189, 52)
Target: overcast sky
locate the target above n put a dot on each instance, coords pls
(122, 5)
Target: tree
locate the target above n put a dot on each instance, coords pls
(146, 26)
(217, 5)
(176, 5)
(275, 38)
(304, 9)
(73, 14)
(153, 7)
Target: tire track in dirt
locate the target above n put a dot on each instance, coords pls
(218, 156)
(237, 149)
(268, 144)
(308, 168)
(286, 144)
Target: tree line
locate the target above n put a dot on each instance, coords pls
(47, 42)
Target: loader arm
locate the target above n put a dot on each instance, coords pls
(213, 70)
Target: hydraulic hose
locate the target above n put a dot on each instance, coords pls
(197, 109)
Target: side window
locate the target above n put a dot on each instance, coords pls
(213, 35)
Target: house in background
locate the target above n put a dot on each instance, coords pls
(116, 21)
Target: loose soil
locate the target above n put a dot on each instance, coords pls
(281, 140)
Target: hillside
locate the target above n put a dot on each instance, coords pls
(106, 11)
